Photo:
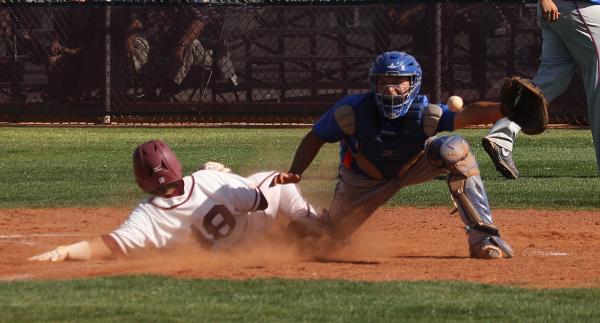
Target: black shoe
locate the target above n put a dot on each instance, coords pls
(502, 159)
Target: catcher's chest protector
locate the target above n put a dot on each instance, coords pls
(384, 143)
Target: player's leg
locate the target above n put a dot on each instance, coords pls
(194, 54)
(498, 144)
(139, 52)
(356, 198)
(553, 77)
(468, 193)
(583, 42)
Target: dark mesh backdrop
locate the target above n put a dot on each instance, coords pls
(252, 63)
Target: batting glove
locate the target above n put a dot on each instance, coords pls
(77, 251)
(58, 254)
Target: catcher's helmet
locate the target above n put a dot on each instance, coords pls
(155, 165)
(395, 64)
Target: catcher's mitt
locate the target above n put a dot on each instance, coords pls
(524, 103)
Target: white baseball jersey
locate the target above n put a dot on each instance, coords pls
(216, 210)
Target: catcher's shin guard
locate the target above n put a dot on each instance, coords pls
(469, 196)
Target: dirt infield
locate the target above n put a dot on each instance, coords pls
(554, 249)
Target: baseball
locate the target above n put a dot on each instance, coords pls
(455, 103)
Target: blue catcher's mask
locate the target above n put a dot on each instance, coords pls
(392, 97)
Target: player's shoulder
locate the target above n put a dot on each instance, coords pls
(419, 103)
(358, 106)
(353, 100)
(215, 179)
(260, 178)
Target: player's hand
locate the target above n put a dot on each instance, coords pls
(549, 10)
(58, 254)
(285, 178)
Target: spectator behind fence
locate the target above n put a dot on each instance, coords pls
(11, 67)
(76, 54)
(175, 39)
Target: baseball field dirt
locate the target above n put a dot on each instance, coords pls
(553, 249)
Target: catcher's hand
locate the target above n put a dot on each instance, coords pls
(524, 103)
(285, 178)
(58, 254)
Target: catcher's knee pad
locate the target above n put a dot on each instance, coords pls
(468, 193)
(453, 154)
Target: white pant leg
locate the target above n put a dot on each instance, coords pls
(584, 43)
(503, 133)
(357, 197)
(139, 50)
(558, 63)
(195, 54)
(573, 41)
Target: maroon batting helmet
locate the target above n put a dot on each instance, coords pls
(155, 165)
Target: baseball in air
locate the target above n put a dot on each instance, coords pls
(455, 103)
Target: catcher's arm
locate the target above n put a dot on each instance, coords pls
(100, 247)
(306, 152)
(476, 113)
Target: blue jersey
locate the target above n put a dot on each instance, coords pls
(363, 133)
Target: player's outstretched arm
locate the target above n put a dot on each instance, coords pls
(478, 113)
(305, 154)
(82, 250)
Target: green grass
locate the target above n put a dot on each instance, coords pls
(49, 167)
(159, 299)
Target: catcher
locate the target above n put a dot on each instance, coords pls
(212, 207)
(388, 141)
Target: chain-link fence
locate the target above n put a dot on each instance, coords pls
(252, 63)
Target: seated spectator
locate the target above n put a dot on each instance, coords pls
(174, 40)
(11, 67)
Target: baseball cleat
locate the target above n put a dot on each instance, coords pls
(502, 159)
(489, 248)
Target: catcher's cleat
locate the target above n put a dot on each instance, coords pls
(502, 159)
(484, 249)
(490, 248)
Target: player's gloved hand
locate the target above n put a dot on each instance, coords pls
(285, 178)
(78, 251)
(524, 103)
(58, 254)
